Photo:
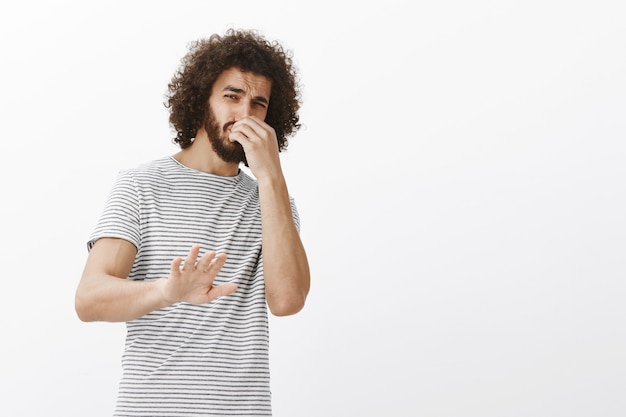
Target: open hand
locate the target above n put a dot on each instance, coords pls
(192, 281)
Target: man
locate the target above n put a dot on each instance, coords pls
(190, 251)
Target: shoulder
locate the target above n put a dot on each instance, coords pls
(151, 170)
(165, 163)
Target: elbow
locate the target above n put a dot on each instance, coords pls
(289, 298)
(287, 306)
(82, 308)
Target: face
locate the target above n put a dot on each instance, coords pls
(235, 95)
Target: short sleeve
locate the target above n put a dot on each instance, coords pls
(294, 212)
(121, 215)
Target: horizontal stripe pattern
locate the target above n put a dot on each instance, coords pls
(186, 359)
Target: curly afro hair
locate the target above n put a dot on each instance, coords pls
(190, 87)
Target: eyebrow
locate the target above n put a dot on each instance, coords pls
(241, 91)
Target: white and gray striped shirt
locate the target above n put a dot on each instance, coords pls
(210, 359)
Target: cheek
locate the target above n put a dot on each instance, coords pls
(261, 113)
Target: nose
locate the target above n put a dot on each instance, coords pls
(245, 110)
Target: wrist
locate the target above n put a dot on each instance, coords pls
(162, 298)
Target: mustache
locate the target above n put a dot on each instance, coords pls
(227, 125)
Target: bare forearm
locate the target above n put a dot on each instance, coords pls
(103, 297)
(285, 264)
(105, 294)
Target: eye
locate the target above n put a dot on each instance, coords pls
(231, 96)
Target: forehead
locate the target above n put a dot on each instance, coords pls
(248, 82)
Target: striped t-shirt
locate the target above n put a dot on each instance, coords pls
(185, 359)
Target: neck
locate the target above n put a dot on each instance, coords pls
(201, 157)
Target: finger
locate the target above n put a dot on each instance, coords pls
(175, 269)
(221, 290)
(238, 136)
(190, 261)
(250, 128)
(252, 122)
(206, 259)
(216, 263)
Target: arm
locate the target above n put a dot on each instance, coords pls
(104, 293)
(285, 264)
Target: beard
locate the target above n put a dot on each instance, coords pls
(231, 152)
